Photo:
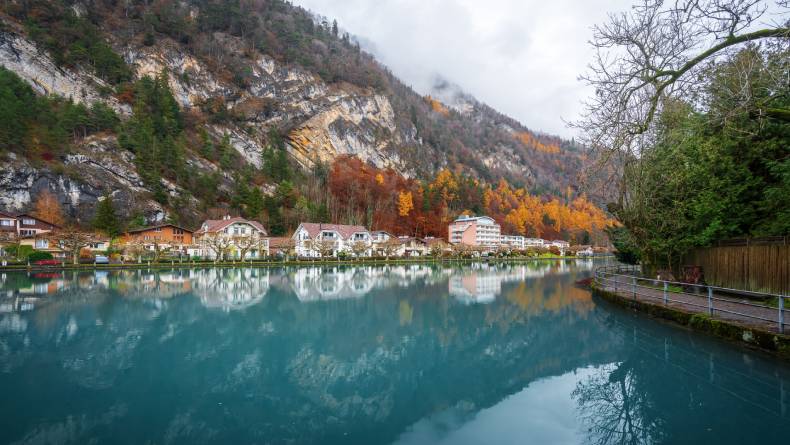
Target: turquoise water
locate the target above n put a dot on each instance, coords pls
(505, 354)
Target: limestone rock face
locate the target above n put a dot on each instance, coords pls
(21, 56)
(328, 120)
(97, 167)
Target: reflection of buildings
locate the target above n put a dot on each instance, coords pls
(242, 287)
(230, 289)
(475, 288)
(482, 283)
(332, 283)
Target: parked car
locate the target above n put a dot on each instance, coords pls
(101, 259)
(47, 263)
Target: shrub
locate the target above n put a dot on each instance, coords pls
(24, 252)
(38, 256)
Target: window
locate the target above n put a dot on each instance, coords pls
(24, 232)
(42, 244)
(28, 221)
(6, 222)
(158, 229)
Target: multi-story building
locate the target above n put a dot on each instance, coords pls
(318, 239)
(476, 231)
(512, 242)
(231, 235)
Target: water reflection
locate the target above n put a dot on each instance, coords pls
(487, 353)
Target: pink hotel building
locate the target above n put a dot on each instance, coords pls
(479, 231)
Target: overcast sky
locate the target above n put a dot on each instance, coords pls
(522, 57)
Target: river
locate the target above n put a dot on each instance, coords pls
(408, 354)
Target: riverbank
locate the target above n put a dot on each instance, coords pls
(273, 263)
(750, 336)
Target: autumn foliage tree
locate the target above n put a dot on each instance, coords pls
(47, 208)
(364, 194)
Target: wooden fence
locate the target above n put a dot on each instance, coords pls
(760, 265)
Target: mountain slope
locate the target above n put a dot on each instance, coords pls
(248, 78)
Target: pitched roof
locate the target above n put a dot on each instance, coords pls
(408, 239)
(215, 225)
(431, 241)
(143, 229)
(38, 220)
(345, 231)
(278, 242)
(7, 215)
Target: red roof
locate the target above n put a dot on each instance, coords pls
(345, 231)
(278, 242)
(216, 225)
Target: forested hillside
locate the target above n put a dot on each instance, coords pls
(187, 109)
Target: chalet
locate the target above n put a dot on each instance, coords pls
(413, 247)
(165, 234)
(384, 243)
(230, 236)
(30, 226)
(437, 245)
(318, 239)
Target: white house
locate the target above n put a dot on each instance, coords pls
(311, 239)
(231, 235)
(534, 242)
(512, 242)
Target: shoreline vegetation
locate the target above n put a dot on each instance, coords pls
(170, 264)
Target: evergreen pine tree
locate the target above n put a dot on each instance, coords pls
(106, 219)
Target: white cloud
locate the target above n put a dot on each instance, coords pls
(522, 57)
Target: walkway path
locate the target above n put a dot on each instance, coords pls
(740, 310)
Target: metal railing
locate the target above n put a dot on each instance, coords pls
(715, 301)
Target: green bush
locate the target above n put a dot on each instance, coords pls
(23, 252)
(38, 256)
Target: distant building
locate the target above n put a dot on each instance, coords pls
(560, 244)
(318, 239)
(512, 241)
(233, 231)
(476, 231)
(534, 242)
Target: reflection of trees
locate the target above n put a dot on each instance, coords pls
(335, 365)
(615, 408)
